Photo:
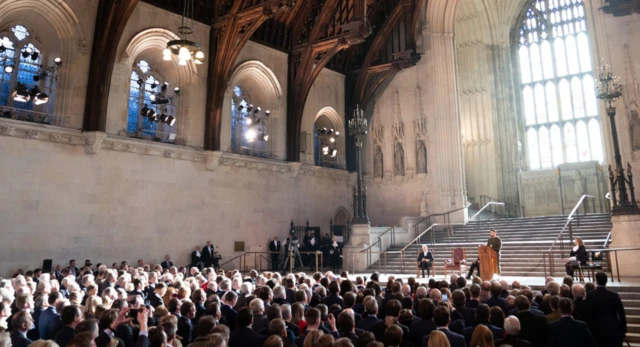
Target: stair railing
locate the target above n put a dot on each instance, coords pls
(378, 244)
(510, 210)
(567, 225)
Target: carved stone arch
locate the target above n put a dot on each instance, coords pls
(337, 123)
(266, 88)
(339, 213)
(157, 38)
(61, 17)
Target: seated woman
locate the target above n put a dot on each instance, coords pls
(425, 259)
(578, 256)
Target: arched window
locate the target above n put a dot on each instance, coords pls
(151, 111)
(26, 85)
(325, 142)
(249, 125)
(558, 91)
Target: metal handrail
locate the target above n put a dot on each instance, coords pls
(569, 219)
(440, 214)
(484, 207)
(517, 206)
(606, 241)
(378, 243)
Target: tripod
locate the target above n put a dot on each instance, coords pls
(294, 255)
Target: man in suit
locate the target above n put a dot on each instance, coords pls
(423, 327)
(425, 259)
(73, 270)
(313, 319)
(458, 298)
(286, 316)
(109, 322)
(568, 332)
(609, 319)
(228, 303)
(482, 317)
(290, 290)
(496, 244)
(333, 297)
(196, 258)
(167, 263)
(244, 335)
(533, 327)
(441, 318)
(392, 311)
(496, 299)
(474, 301)
(582, 309)
(71, 317)
(48, 316)
(155, 298)
(185, 326)
(274, 248)
(511, 331)
(347, 326)
(21, 323)
(371, 309)
(207, 255)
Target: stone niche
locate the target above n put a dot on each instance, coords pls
(546, 192)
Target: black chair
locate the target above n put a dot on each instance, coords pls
(595, 264)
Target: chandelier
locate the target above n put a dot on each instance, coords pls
(184, 48)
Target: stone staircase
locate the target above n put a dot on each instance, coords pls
(523, 241)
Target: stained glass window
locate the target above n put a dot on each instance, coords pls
(560, 109)
(144, 86)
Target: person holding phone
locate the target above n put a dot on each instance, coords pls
(425, 259)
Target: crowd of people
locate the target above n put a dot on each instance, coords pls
(152, 306)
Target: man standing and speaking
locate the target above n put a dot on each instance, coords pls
(496, 244)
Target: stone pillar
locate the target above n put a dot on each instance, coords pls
(625, 235)
(447, 159)
(360, 238)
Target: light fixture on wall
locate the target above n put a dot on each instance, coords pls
(327, 139)
(184, 48)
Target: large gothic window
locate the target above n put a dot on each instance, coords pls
(558, 90)
(151, 112)
(249, 125)
(26, 86)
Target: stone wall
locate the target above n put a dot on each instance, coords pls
(136, 199)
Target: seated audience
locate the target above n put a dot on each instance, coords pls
(511, 332)
(568, 332)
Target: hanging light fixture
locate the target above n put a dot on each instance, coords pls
(184, 48)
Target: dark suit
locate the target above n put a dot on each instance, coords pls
(260, 322)
(167, 264)
(333, 299)
(609, 321)
(54, 327)
(185, 329)
(124, 333)
(367, 323)
(468, 314)
(103, 340)
(207, 256)
(379, 328)
(513, 341)
(274, 246)
(19, 339)
(195, 259)
(568, 332)
(230, 314)
(425, 264)
(155, 300)
(64, 336)
(291, 293)
(533, 328)
(497, 301)
(44, 320)
(472, 304)
(294, 328)
(245, 337)
(418, 330)
(468, 332)
(455, 340)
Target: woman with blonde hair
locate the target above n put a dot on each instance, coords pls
(438, 339)
(311, 340)
(482, 337)
(44, 343)
(578, 256)
(297, 316)
(168, 295)
(91, 304)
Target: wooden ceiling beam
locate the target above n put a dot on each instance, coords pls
(307, 60)
(111, 19)
(226, 39)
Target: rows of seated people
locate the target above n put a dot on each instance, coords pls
(155, 307)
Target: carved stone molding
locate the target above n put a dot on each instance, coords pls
(471, 92)
(469, 44)
(475, 143)
(93, 141)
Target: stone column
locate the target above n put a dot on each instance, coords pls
(447, 165)
(360, 238)
(625, 235)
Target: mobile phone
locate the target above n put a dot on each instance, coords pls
(147, 304)
(445, 298)
(133, 312)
